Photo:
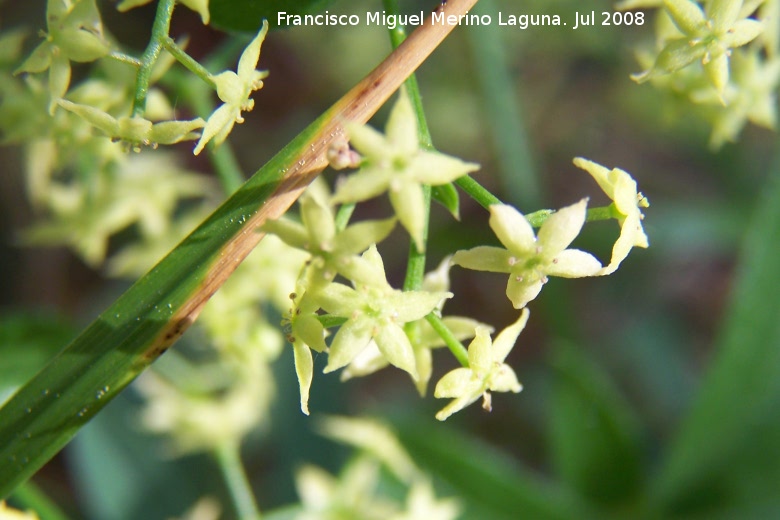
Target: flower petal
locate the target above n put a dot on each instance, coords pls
(454, 383)
(573, 263)
(561, 228)
(339, 299)
(366, 184)
(367, 141)
(304, 369)
(504, 379)
(507, 338)
(435, 168)
(481, 353)
(358, 237)
(485, 258)
(396, 348)
(409, 204)
(292, 233)
(350, 340)
(401, 129)
(521, 292)
(413, 305)
(251, 55)
(319, 224)
(512, 229)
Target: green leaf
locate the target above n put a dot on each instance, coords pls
(594, 434)
(27, 342)
(248, 15)
(447, 196)
(493, 479)
(737, 403)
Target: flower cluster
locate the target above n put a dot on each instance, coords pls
(378, 325)
(357, 491)
(720, 55)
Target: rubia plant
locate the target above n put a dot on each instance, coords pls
(322, 271)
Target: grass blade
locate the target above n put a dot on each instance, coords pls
(737, 400)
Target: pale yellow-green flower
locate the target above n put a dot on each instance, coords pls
(627, 201)
(144, 189)
(74, 33)
(529, 259)
(396, 163)
(332, 251)
(375, 311)
(421, 334)
(9, 513)
(750, 96)
(422, 504)
(486, 372)
(235, 89)
(708, 35)
(373, 437)
(230, 398)
(352, 495)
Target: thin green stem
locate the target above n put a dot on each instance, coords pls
(476, 191)
(125, 58)
(29, 496)
(603, 213)
(455, 346)
(343, 215)
(188, 61)
(415, 266)
(160, 29)
(229, 460)
(537, 218)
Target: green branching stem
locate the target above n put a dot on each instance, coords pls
(160, 29)
(477, 192)
(486, 199)
(228, 458)
(415, 266)
(188, 61)
(125, 58)
(455, 346)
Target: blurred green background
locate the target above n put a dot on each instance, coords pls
(652, 393)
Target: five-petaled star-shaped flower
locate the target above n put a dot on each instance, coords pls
(333, 251)
(234, 89)
(621, 188)
(486, 372)
(396, 163)
(708, 36)
(375, 311)
(528, 259)
(74, 33)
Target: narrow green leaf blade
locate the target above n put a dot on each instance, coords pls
(738, 396)
(492, 479)
(595, 435)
